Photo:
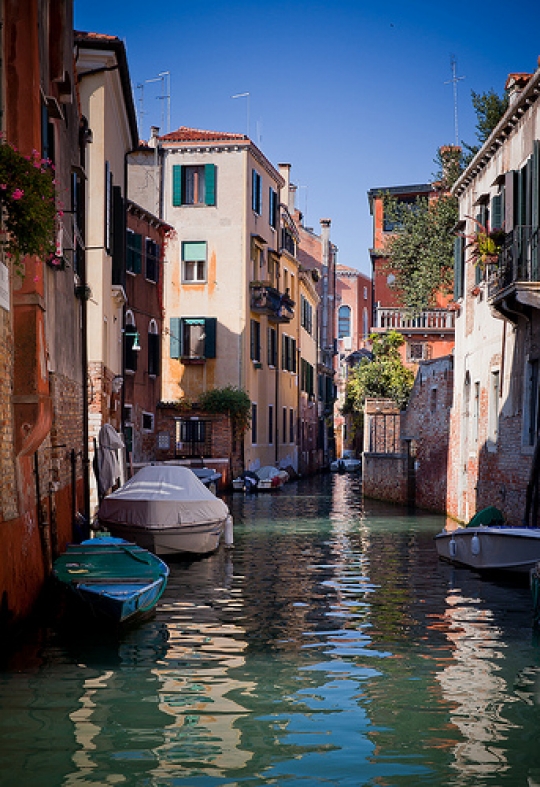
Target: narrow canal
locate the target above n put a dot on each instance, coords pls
(330, 647)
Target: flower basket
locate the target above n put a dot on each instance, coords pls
(83, 292)
(28, 203)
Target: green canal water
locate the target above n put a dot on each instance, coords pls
(330, 647)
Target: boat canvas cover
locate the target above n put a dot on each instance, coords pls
(162, 495)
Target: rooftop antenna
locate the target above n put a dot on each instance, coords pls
(454, 81)
(142, 113)
(244, 95)
(164, 77)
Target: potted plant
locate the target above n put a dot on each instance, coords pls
(485, 245)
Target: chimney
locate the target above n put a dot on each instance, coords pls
(515, 85)
(154, 135)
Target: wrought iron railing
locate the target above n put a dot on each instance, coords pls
(518, 261)
(268, 300)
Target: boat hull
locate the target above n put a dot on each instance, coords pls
(491, 548)
(114, 579)
(169, 540)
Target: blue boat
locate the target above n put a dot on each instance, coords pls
(115, 580)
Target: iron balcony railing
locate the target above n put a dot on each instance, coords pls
(268, 300)
(401, 319)
(518, 261)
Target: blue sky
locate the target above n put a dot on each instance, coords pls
(352, 94)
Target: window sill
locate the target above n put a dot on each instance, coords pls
(192, 361)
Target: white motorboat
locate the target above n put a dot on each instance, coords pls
(167, 510)
(346, 464)
(490, 547)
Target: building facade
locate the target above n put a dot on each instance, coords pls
(42, 385)
(104, 93)
(495, 414)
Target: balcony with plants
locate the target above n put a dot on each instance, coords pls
(266, 299)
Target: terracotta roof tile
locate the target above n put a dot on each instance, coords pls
(95, 36)
(185, 134)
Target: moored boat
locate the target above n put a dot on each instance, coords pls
(113, 579)
(488, 544)
(167, 510)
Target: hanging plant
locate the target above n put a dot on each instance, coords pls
(485, 244)
(233, 401)
(28, 201)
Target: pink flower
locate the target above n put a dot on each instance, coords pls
(3, 186)
(17, 194)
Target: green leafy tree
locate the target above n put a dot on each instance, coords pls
(421, 252)
(384, 376)
(489, 108)
(234, 402)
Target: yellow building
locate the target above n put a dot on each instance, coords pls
(231, 286)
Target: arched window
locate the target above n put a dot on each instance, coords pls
(153, 349)
(344, 321)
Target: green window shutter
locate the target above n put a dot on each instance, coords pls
(496, 212)
(210, 324)
(177, 184)
(458, 268)
(194, 251)
(176, 337)
(137, 261)
(210, 183)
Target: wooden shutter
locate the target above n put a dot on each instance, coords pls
(509, 199)
(153, 354)
(496, 212)
(177, 177)
(210, 337)
(137, 255)
(119, 238)
(458, 268)
(210, 184)
(176, 337)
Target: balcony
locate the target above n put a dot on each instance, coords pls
(431, 321)
(266, 299)
(513, 284)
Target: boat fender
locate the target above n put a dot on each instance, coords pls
(475, 545)
(229, 538)
(452, 547)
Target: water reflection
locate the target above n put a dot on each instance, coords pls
(329, 647)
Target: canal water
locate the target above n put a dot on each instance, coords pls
(329, 647)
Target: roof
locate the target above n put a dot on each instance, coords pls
(186, 134)
(104, 42)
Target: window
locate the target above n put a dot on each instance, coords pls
(433, 400)
(417, 351)
(256, 192)
(493, 406)
(133, 252)
(531, 422)
(131, 343)
(288, 353)
(153, 349)
(272, 347)
(273, 208)
(365, 324)
(193, 261)
(459, 267)
(365, 293)
(193, 184)
(344, 321)
(284, 426)
(193, 437)
(291, 425)
(270, 424)
(78, 219)
(152, 260)
(253, 423)
(306, 314)
(287, 241)
(306, 377)
(193, 337)
(394, 223)
(147, 422)
(255, 340)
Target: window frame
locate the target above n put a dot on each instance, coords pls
(195, 262)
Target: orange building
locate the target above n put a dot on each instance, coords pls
(429, 334)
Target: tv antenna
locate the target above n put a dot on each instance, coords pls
(247, 96)
(165, 78)
(454, 81)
